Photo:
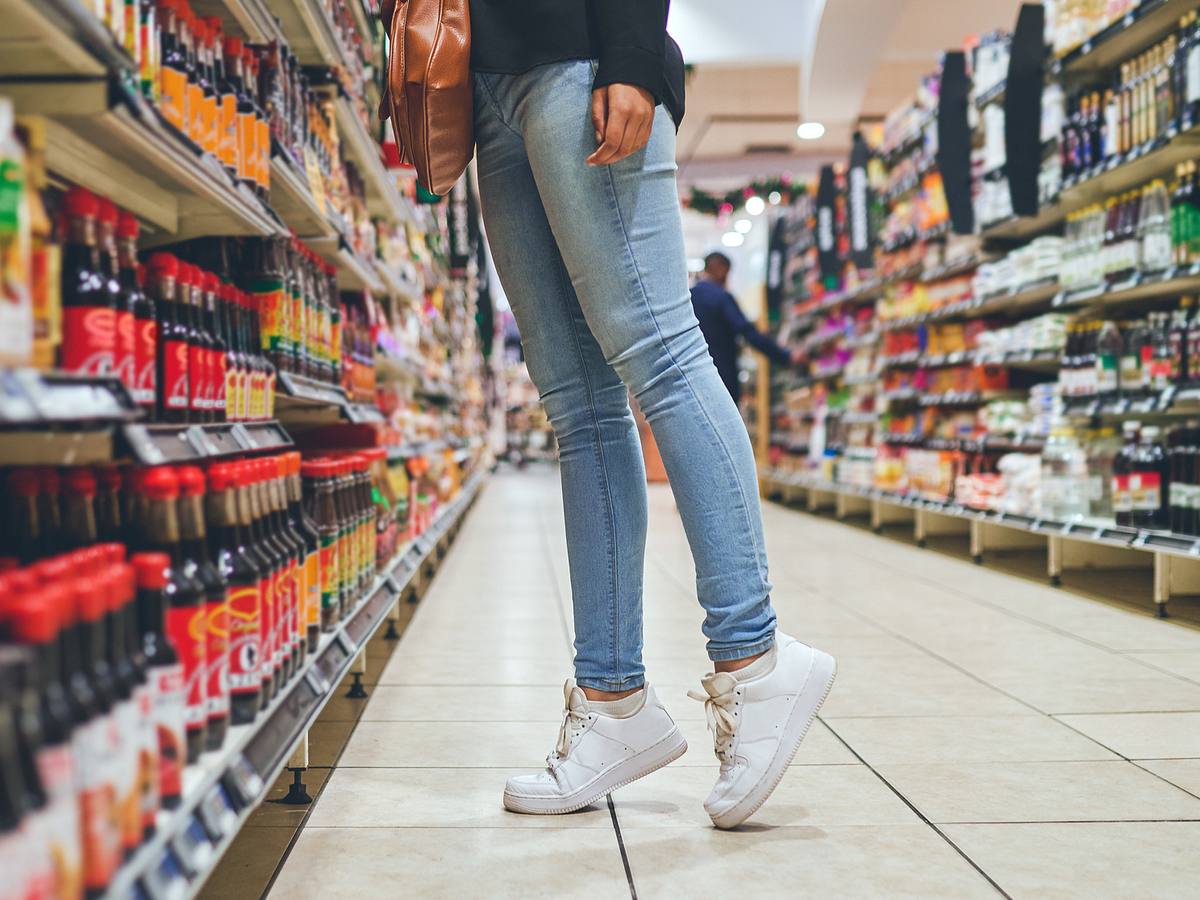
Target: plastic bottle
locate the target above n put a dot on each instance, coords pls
(1150, 482)
(1155, 228)
(1122, 470)
(88, 311)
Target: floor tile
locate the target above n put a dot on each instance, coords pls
(808, 795)
(247, 866)
(1038, 792)
(1145, 735)
(456, 669)
(453, 862)
(519, 747)
(1102, 693)
(433, 798)
(961, 739)
(454, 703)
(913, 685)
(1185, 664)
(807, 861)
(1151, 860)
(1184, 773)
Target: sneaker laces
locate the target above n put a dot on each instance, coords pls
(575, 718)
(719, 699)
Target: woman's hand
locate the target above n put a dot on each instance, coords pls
(622, 115)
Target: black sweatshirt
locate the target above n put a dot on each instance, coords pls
(628, 39)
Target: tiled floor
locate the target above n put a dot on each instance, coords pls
(986, 734)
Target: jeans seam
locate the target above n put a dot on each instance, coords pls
(495, 104)
(606, 489)
(729, 654)
(759, 551)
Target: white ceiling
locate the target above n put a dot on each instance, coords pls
(764, 65)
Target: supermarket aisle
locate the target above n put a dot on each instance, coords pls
(985, 732)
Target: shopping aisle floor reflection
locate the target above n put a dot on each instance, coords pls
(986, 734)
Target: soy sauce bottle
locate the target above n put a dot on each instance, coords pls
(171, 370)
(89, 314)
(302, 525)
(240, 569)
(198, 563)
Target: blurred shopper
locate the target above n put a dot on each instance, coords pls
(724, 325)
(576, 105)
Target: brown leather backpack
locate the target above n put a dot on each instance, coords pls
(429, 95)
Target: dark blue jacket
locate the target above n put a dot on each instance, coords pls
(723, 323)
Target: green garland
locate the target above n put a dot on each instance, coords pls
(732, 201)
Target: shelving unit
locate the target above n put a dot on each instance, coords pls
(225, 786)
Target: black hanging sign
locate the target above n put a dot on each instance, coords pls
(459, 215)
(954, 142)
(1023, 109)
(858, 188)
(826, 228)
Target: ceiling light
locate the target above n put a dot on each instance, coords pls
(774, 197)
(732, 239)
(743, 226)
(755, 205)
(810, 131)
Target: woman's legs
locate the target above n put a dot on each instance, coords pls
(617, 232)
(601, 465)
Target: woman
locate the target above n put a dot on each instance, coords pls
(576, 105)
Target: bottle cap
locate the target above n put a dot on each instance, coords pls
(164, 265)
(33, 616)
(293, 462)
(221, 476)
(191, 481)
(160, 483)
(233, 46)
(79, 480)
(127, 225)
(91, 595)
(152, 570)
(316, 467)
(81, 202)
(212, 284)
(108, 477)
(53, 570)
(114, 552)
(126, 586)
(243, 474)
(24, 482)
(49, 480)
(106, 212)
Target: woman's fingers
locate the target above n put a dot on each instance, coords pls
(628, 116)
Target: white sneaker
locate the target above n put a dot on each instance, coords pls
(596, 754)
(758, 725)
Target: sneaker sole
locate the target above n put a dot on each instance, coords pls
(666, 751)
(812, 696)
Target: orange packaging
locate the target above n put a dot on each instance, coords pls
(228, 151)
(173, 101)
(247, 142)
(264, 150)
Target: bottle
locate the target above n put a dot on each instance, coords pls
(319, 503)
(219, 356)
(34, 620)
(185, 598)
(1192, 73)
(227, 141)
(246, 122)
(198, 564)
(237, 372)
(88, 314)
(294, 618)
(1182, 456)
(1150, 482)
(79, 509)
(147, 801)
(1180, 321)
(1108, 359)
(286, 565)
(240, 569)
(1160, 353)
(145, 320)
(270, 563)
(174, 96)
(165, 674)
(124, 346)
(302, 524)
(1122, 471)
(200, 344)
(111, 525)
(172, 359)
(1155, 228)
(1179, 248)
(1132, 376)
(1179, 76)
(98, 769)
(118, 583)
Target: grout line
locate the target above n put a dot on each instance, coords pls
(612, 811)
(945, 837)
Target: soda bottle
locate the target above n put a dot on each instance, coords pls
(145, 321)
(172, 373)
(89, 313)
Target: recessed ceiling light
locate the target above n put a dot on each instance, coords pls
(743, 226)
(732, 239)
(810, 131)
(755, 205)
